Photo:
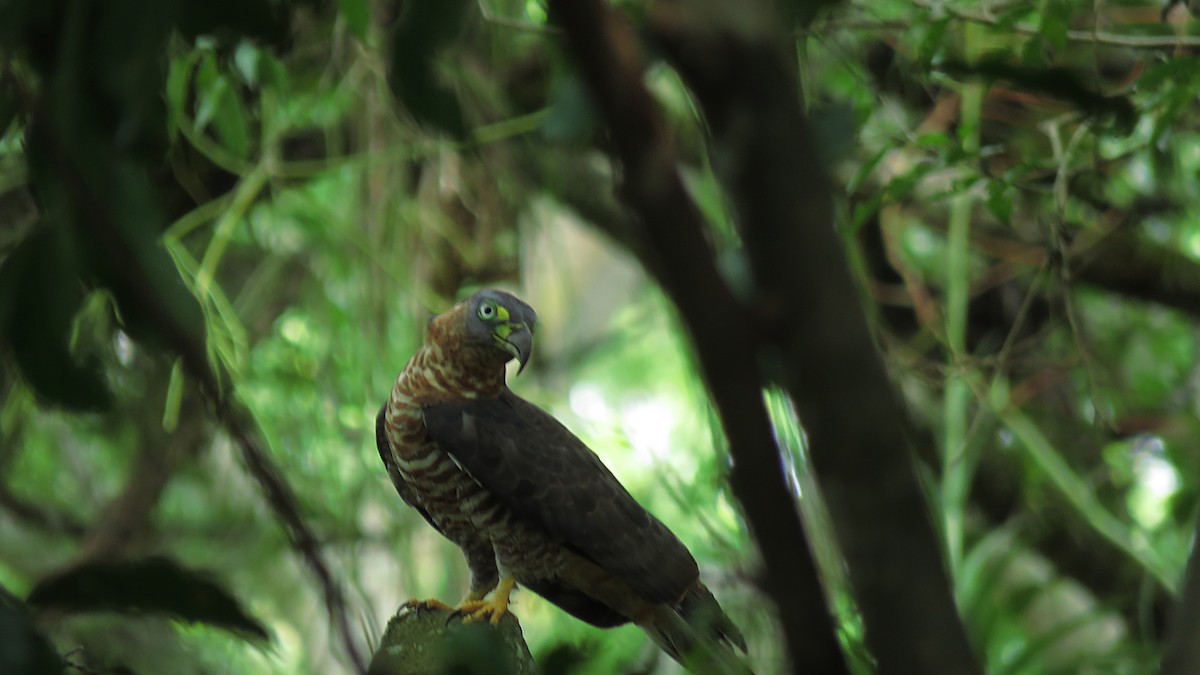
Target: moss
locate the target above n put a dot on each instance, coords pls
(426, 641)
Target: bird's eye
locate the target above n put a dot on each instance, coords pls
(487, 310)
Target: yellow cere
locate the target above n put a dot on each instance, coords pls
(502, 312)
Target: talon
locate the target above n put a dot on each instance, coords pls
(417, 605)
(493, 609)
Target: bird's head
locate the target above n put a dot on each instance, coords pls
(500, 320)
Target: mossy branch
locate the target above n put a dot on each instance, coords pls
(427, 641)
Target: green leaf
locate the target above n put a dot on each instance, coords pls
(1056, 16)
(867, 168)
(210, 87)
(357, 16)
(706, 191)
(1008, 17)
(979, 582)
(219, 105)
(901, 186)
(231, 121)
(1032, 653)
(1077, 491)
(153, 585)
(40, 293)
(1000, 201)
(932, 40)
(179, 75)
(248, 60)
(1182, 72)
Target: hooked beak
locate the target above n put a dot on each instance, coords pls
(520, 344)
(515, 335)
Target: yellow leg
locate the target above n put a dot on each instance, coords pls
(475, 595)
(493, 609)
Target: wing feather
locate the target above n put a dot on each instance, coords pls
(385, 453)
(546, 476)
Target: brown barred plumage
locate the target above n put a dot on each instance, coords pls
(526, 500)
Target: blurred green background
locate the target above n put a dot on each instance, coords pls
(281, 194)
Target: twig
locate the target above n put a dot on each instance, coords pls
(283, 503)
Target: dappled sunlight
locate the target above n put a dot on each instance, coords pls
(649, 425)
(1156, 482)
(587, 401)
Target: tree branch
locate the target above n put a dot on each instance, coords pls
(124, 521)
(1078, 36)
(283, 503)
(39, 517)
(102, 231)
(425, 640)
(736, 62)
(607, 53)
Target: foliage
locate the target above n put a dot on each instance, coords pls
(255, 206)
(152, 585)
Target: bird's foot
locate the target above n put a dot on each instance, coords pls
(492, 609)
(416, 605)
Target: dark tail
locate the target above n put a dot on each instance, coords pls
(697, 634)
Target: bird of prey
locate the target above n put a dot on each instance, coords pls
(526, 501)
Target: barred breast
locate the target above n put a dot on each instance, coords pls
(466, 513)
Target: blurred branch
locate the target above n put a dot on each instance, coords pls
(743, 75)
(38, 517)
(135, 284)
(125, 519)
(283, 503)
(671, 235)
(1138, 267)
(1082, 36)
(213, 151)
(1121, 261)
